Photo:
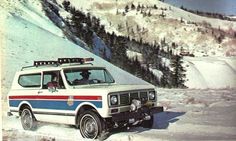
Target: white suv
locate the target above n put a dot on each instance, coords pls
(75, 92)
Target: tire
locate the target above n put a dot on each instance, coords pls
(147, 123)
(90, 125)
(28, 120)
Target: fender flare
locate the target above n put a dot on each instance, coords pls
(24, 102)
(81, 105)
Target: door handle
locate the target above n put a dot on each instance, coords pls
(39, 92)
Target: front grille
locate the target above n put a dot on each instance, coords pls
(143, 97)
(143, 94)
(126, 98)
(133, 96)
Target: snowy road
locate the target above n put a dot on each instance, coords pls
(189, 115)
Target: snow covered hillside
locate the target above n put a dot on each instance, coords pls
(189, 115)
(198, 35)
(29, 35)
(185, 33)
(203, 72)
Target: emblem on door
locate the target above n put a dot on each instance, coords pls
(70, 100)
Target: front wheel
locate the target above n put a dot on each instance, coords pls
(90, 124)
(28, 120)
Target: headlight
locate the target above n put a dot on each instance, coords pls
(114, 100)
(151, 95)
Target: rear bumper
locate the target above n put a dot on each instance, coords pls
(136, 115)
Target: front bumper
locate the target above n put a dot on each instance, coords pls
(139, 114)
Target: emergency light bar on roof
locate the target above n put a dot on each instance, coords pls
(74, 60)
(63, 61)
(41, 63)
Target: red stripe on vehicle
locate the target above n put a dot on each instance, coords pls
(56, 97)
(88, 97)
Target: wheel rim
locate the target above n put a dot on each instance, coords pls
(88, 127)
(26, 119)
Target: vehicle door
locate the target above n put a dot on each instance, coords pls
(52, 98)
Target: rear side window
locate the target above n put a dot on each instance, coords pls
(30, 80)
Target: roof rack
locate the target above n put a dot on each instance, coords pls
(60, 61)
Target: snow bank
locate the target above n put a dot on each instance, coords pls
(210, 72)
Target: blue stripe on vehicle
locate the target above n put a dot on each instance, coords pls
(55, 105)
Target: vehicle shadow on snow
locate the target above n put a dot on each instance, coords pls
(161, 121)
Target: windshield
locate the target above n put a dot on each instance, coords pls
(83, 76)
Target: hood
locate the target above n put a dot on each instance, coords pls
(115, 87)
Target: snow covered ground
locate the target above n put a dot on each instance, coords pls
(190, 114)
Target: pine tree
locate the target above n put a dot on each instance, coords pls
(132, 6)
(117, 12)
(138, 7)
(149, 13)
(142, 7)
(164, 82)
(137, 66)
(66, 5)
(178, 72)
(126, 8)
(155, 6)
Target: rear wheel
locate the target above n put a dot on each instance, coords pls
(90, 124)
(28, 120)
(147, 123)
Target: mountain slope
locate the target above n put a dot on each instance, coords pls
(183, 31)
(192, 33)
(26, 40)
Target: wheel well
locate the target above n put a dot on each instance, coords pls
(81, 110)
(23, 106)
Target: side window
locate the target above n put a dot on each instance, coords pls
(52, 79)
(46, 79)
(97, 74)
(71, 76)
(108, 77)
(30, 80)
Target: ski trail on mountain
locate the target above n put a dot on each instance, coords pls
(230, 66)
